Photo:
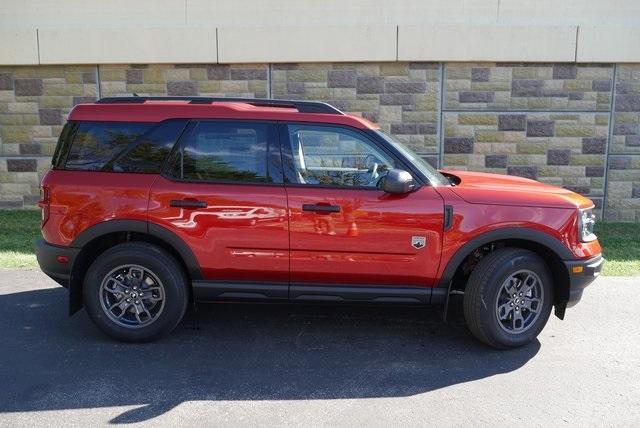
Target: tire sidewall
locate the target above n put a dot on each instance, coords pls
(153, 259)
(523, 260)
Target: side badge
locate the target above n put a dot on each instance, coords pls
(418, 242)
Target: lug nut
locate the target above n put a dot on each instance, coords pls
(128, 300)
(137, 302)
(126, 291)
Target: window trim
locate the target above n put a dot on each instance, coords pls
(287, 157)
(273, 147)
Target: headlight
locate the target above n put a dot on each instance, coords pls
(586, 222)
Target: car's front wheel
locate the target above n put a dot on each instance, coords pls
(508, 298)
(135, 292)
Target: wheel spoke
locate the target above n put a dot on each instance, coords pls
(136, 273)
(152, 294)
(528, 283)
(144, 310)
(124, 306)
(115, 286)
(504, 310)
(532, 305)
(517, 321)
(119, 302)
(510, 286)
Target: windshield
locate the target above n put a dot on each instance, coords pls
(435, 178)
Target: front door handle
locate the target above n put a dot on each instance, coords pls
(187, 203)
(321, 208)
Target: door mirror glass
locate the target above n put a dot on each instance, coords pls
(398, 181)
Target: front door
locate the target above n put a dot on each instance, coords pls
(344, 229)
(222, 193)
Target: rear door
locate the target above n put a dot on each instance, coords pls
(346, 231)
(222, 193)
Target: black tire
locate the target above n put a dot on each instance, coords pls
(483, 290)
(159, 263)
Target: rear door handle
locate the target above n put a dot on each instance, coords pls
(187, 203)
(320, 208)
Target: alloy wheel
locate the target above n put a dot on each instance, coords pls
(132, 296)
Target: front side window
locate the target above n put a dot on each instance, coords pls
(335, 156)
(223, 152)
(95, 144)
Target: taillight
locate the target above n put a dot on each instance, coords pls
(44, 204)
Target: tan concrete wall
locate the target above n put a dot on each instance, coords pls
(74, 13)
(155, 31)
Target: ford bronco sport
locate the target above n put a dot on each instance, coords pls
(155, 202)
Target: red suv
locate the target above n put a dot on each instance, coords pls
(154, 202)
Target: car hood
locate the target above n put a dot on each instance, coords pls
(497, 189)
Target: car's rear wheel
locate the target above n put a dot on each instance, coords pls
(508, 298)
(135, 292)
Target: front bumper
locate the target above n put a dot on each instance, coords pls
(51, 260)
(581, 274)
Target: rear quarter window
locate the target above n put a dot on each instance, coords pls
(96, 144)
(116, 146)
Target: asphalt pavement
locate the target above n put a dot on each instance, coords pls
(272, 365)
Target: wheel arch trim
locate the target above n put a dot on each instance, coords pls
(505, 233)
(140, 226)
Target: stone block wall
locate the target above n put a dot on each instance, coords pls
(623, 175)
(548, 122)
(34, 103)
(403, 98)
(576, 126)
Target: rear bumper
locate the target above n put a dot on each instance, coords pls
(49, 258)
(581, 274)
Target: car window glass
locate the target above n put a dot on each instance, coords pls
(334, 156)
(148, 153)
(97, 143)
(224, 151)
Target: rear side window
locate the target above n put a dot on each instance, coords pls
(64, 142)
(117, 147)
(148, 153)
(223, 152)
(95, 144)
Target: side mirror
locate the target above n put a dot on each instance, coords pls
(398, 181)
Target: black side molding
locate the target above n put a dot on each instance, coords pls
(448, 217)
(333, 293)
(281, 291)
(213, 290)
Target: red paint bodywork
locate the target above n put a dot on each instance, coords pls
(261, 233)
(368, 242)
(242, 235)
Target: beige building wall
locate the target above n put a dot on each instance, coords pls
(228, 31)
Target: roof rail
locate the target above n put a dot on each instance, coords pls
(301, 106)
